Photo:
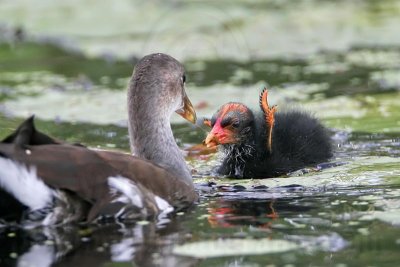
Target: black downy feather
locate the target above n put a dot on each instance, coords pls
(298, 140)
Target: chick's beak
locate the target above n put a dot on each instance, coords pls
(211, 140)
(219, 135)
(187, 111)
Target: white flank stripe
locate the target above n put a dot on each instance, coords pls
(128, 188)
(165, 208)
(22, 182)
(163, 205)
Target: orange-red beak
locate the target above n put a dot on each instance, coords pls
(219, 135)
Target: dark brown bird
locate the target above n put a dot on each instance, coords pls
(47, 182)
(266, 143)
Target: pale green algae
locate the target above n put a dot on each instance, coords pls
(208, 29)
(233, 247)
(387, 209)
(362, 171)
(366, 113)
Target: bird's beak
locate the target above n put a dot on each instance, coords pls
(215, 136)
(211, 140)
(187, 111)
(220, 136)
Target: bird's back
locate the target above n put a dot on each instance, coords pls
(298, 140)
(31, 157)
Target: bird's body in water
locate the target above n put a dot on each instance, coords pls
(47, 182)
(266, 143)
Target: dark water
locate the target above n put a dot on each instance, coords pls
(346, 214)
(325, 224)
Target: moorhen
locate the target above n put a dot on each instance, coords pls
(47, 182)
(261, 144)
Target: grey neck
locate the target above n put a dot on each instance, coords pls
(151, 138)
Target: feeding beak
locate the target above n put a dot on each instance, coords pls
(211, 140)
(187, 111)
(219, 135)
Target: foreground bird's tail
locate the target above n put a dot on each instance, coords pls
(22, 182)
(26, 134)
(20, 187)
(23, 195)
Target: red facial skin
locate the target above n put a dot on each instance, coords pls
(220, 135)
(227, 134)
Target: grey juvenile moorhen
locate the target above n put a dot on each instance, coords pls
(47, 182)
(262, 144)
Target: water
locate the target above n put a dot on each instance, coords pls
(345, 213)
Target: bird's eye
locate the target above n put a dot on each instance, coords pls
(225, 122)
(235, 124)
(183, 78)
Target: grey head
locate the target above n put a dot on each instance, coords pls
(156, 91)
(157, 83)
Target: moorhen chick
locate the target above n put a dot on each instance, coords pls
(266, 143)
(47, 182)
